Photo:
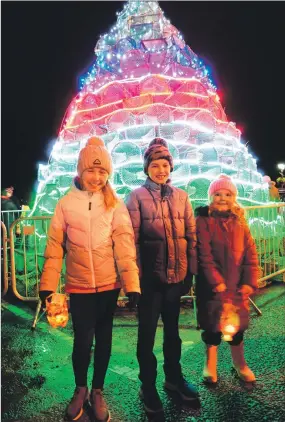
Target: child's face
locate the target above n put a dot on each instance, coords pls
(159, 171)
(94, 179)
(223, 199)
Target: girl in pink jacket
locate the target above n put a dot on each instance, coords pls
(94, 229)
(227, 275)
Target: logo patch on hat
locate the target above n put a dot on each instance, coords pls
(97, 161)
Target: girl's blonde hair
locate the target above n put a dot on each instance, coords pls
(110, 197)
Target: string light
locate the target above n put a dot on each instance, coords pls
(146, 82)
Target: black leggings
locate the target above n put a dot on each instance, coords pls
(92, 313)
(214, 339)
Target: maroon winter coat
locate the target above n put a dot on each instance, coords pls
(226, 254)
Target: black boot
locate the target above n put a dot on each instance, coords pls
(151, 399)
(186, 390)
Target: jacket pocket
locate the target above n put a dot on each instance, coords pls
(182, 257)
(78, 266)
(153, 257)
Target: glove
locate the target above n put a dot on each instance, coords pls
(187, 284)
(43, 294)
(246, 291)
(134, 298)
(220, 288)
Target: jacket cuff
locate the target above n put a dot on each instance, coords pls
(130, 282)
(192, 265)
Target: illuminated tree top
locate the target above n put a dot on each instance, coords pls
(142, 42)
(146, 82)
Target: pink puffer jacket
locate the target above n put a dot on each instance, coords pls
(99, 245)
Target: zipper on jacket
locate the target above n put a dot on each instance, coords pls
(166, 238)
(90, 241)
(160, 200)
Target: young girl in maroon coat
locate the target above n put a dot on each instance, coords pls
(227, 274)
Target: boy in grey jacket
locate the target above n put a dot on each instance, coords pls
(165, 237)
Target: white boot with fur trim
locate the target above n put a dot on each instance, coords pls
(240, 365)
(210, 368)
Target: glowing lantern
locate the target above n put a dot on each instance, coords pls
(57, 310)
(229, 322)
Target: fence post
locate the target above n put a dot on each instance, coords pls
(5, 259)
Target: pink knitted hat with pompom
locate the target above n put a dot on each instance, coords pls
(222, 182)
(94, 154)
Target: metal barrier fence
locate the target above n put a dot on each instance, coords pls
(267, 226)
(28, 236)
(8, 217)
(27, 255)
(4, 260)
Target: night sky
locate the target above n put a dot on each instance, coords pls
(46, 46)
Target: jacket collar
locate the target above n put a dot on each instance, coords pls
(204, 212)
(166, 188)
(76, 183)
(79, 193)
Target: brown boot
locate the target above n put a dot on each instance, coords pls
(210, 368)
(99, 406)
(240, 365)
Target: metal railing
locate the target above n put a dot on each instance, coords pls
(28, 236)
(267, 226)
(4, 259)
(8, 217)
(27, 255)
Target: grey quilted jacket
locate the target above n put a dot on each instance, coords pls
(165, 232)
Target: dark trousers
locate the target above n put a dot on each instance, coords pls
(92, 314)
(156, 300)
(214, 339)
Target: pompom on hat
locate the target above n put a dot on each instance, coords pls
(157, 150)
(222, 182)
(94, 154)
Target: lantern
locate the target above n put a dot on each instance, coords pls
(229, 322)
(57, 310)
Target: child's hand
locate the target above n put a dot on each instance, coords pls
(43, 294)
(220, 288)
(246, 290)
(134, 298)
(187, 284)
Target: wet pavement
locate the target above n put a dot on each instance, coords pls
(37, 378)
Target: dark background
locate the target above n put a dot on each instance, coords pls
(47, 46)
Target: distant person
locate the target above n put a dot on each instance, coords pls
(227, 274)
(10, 206)
(273, 191)
(281, 186)
(95, 229)
(281, 182)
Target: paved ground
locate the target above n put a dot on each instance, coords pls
(37, 379)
